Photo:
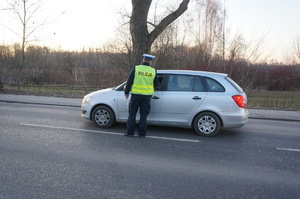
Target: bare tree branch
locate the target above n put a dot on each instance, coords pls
(168, 20)
(141, 38)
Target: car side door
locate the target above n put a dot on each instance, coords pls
(180, 98)
(153, 117)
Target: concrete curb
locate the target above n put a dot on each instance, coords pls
(19, 102)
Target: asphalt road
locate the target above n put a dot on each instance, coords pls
(50, 152)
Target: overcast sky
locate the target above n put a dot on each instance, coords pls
(90, 23)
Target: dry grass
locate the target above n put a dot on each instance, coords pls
(281, 100)
(285, 100)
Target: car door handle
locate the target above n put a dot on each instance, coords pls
(197, 98)
(154, 97)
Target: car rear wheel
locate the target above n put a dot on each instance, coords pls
(103, 116)
(207, 124)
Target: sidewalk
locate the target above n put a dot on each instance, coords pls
(76, 102)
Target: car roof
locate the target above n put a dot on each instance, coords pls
(191, 72)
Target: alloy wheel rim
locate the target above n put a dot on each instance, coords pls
(102, 117)
(207, 124)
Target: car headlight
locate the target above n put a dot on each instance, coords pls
(86, 99)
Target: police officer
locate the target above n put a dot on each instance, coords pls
(141, 82)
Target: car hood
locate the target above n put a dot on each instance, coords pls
(99, 92)
(105, 96)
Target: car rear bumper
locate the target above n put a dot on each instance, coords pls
(235, 119)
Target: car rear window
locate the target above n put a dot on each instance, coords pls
(213, 85)
(234, 84)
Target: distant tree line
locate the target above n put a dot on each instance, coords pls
(195, 41)
(103, 68)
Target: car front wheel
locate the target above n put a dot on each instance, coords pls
(103, 116)
(207, 124)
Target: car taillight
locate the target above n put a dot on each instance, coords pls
(240, 101)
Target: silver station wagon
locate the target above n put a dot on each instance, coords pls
(204, 101)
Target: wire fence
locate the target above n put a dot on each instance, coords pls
(281, 100)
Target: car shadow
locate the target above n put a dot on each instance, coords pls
(166, 131)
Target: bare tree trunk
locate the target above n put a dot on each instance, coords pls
(21, 66)
(1, 86)
(141, 38)
(25, 10)
(139, 29)
(223, 39)
(23, 19)
(297, 47)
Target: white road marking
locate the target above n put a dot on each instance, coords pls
(288, 149)
(174, 139)
(67, 128)
(106, 132)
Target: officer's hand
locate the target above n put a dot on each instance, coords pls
(126, 96)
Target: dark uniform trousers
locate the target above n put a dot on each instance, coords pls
(136, 102)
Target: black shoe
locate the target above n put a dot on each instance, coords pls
(128, 135)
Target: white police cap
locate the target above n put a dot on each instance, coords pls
(147, 56)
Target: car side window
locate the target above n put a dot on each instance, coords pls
(160, 80)
(213, 85)
(180, 83)
(198, 85)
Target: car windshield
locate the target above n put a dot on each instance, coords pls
(120, 87)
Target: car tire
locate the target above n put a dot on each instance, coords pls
(103, 116)
(207, 124)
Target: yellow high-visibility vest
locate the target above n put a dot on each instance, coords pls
(143, 80)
